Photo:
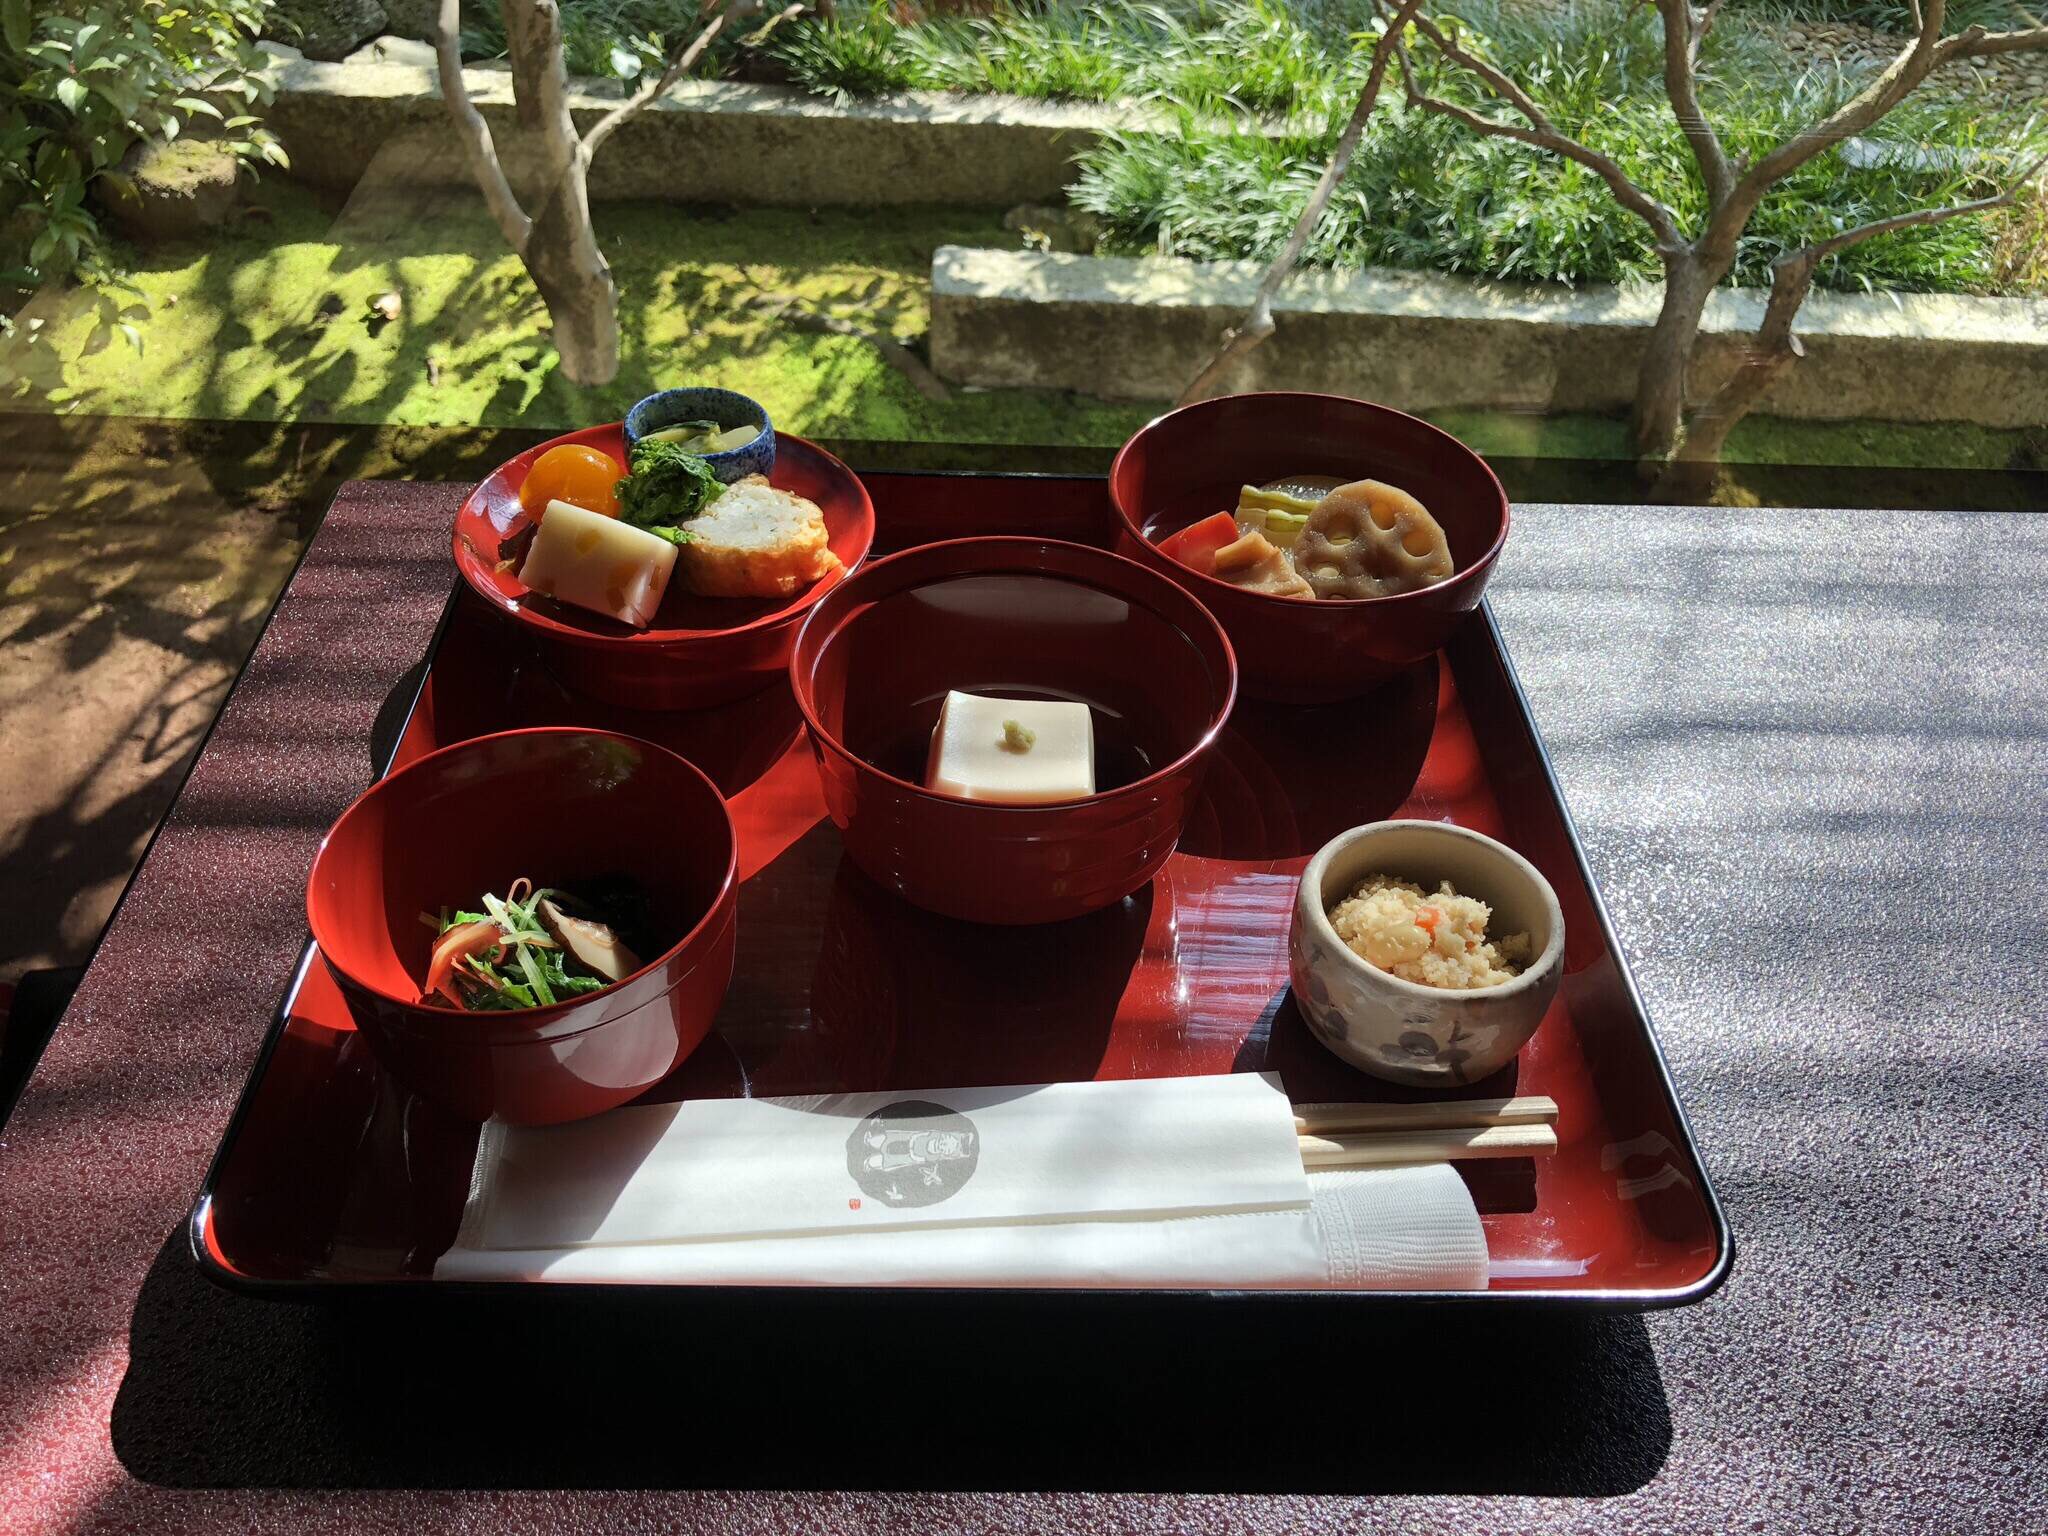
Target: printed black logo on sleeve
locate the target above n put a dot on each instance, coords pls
(912, 1153)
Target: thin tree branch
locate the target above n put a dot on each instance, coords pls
(1965, 45)
(1848, 237)
(679, 65)
(1914, 63)
(1258, 322)
(1777, 341)
(475, 133)
(1541, 132)
(1706, 25)
(1682, 38)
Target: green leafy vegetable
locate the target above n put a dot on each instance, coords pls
(666, 488)
(686, 434)
(524, 970)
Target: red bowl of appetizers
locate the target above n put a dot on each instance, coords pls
(1063, 699)
(1376, 577)
(664, 644)
(491, 995)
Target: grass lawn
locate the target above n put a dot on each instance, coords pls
(271, 320)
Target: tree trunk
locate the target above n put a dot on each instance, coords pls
(576, 283)
(1690, 474)
(562, 254)
(1660, 379)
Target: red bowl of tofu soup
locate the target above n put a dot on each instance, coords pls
(1011, 730)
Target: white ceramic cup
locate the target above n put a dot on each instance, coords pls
(1431, 1037)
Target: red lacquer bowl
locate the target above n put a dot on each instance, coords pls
(558, 806)
(699, 651)
(1023, 618)
(1192, 462)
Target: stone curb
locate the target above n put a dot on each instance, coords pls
(1135, 329)
(706, 141)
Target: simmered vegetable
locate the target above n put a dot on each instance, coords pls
(667, 488)
(1196, 545)
(527, 949)
(704, 436)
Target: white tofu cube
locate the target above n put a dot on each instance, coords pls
(976, 755)
(599, 563)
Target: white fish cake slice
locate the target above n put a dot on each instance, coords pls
(757, 541)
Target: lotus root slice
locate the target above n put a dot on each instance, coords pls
(1371, 539)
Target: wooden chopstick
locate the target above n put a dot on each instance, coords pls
(1381, 1149)
(1435, 1115)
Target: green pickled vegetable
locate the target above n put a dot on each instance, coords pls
(667, 487)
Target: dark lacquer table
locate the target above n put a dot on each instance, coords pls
(1807, 752)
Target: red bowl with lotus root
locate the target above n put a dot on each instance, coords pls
(1191, 463)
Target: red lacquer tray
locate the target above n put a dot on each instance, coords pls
(331, 1178)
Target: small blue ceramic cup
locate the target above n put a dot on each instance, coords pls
(728, 408)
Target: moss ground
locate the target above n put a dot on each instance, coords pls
(271, 320)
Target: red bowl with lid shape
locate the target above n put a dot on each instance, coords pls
(1191, 462)
(558, 806)
(1013, 617)
(699, 651)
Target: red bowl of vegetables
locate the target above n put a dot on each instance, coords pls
(1175, 483)
(697, 650)
(536, 925)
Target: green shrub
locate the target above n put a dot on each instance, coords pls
(1425, 193)
(1257, 56)
(82, 81)
(1889, 15)
(616, 39)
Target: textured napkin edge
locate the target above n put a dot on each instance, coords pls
(476, 1205)
(1410, 1228)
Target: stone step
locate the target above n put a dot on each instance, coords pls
(1139, 329)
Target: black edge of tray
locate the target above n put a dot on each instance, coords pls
(341, 1291)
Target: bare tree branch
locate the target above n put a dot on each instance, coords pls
(1777, 344)
(475, 133)
(1258, 321)
(679, 65)
(1914, 63)
(1682, 38)
(1706, 25)
(1848, 237)
(1964, 45)
(1927, 52)
(1541, 132)
(538, 23)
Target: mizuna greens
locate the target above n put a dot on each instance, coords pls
(527, 949)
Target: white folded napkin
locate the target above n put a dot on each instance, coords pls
(1160, 1182)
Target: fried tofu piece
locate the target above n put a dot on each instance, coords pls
(756, 541)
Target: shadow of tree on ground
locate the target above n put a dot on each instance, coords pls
(138, 561)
